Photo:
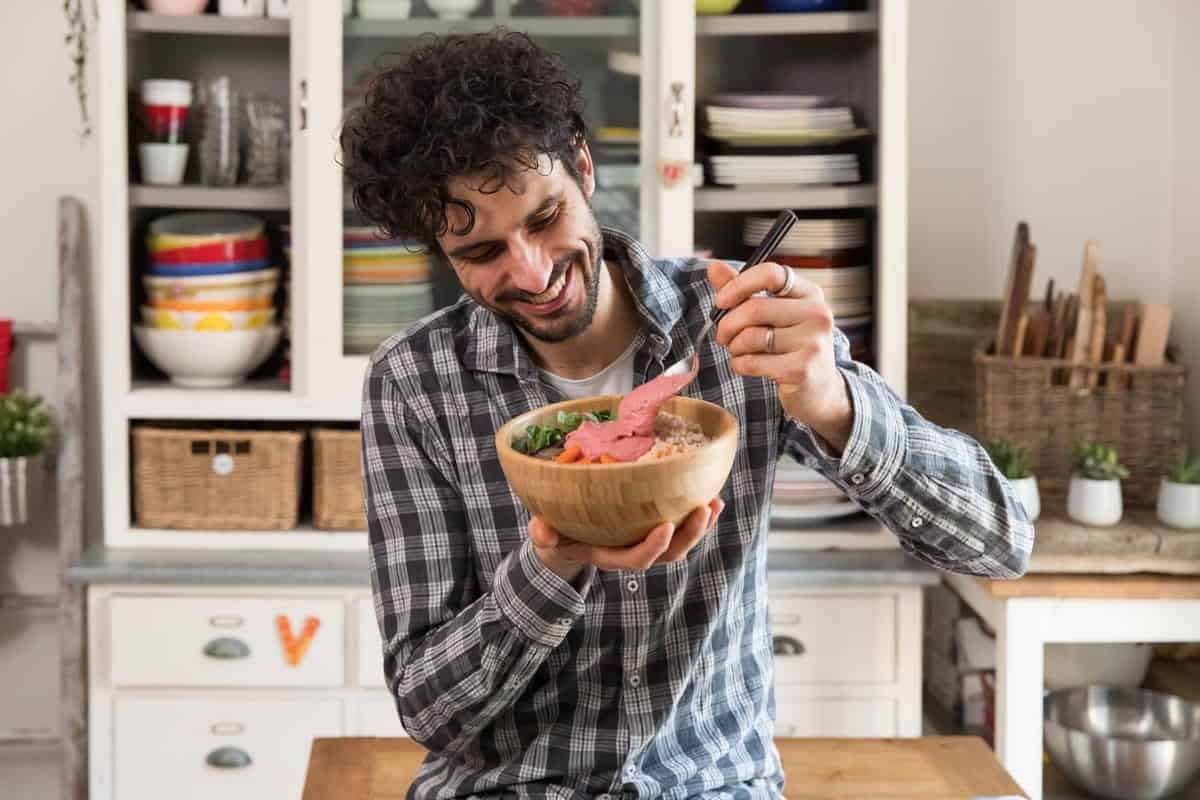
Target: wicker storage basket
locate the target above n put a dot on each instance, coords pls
(217, 479)
(337, 480)
(1026, 400)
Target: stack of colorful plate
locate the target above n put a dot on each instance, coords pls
(803, 494)
(209, 317)
(832, 254)
(386, 286)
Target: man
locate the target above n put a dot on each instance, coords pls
(529, 664)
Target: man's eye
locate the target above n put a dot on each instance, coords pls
(546, 221)
(484, 256)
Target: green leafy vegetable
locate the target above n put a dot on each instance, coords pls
(538, 437)
(25, 425)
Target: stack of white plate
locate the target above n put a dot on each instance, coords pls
(804, 494)
(778, 120)
(807, 170)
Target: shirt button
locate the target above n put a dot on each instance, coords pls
(566, 622)
(632, 585)
(857, 479)
(917, 522)
(635, 681)
(630, 771)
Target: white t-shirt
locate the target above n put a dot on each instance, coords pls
(616, 378)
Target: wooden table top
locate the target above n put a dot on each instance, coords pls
(927, 768)
(1096, 587)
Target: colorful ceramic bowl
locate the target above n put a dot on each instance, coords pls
(196, 228)
(202, 359)
(213, 288)
(209, 321)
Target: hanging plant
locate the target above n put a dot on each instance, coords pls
(77, 49)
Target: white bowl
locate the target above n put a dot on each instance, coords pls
(451, 9)
(213, 288)
(176, 7)
(163, 164)
(204, 359)
(166, 92)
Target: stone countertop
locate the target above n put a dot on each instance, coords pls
(108, 565)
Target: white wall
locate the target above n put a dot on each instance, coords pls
(1057, 113)
(1185, 197)
(41, 158)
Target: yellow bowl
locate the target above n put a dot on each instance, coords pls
(212, 321)
(618, 504)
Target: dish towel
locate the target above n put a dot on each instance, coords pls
(6, 346)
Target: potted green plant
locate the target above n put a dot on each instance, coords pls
(1013, 462)
(26, 432)
(1094, 495)
(1179, 494)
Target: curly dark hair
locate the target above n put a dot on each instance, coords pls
(488, 105)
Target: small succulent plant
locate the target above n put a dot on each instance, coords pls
(1010, 458)
(1185, 470)
(1098, 462)
(25, 425)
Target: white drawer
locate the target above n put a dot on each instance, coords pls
(375, 715)
(870, 717)
(834, 639)
(224, 641)
(370, 646)
(164, 746)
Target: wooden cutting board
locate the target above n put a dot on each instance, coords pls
(1154, 326)
(1099, 321)
(1016, 292)
(1082, 335)
(924, 768)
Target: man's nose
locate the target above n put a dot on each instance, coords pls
(530, 267)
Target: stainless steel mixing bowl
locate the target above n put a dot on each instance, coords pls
(1125, 744)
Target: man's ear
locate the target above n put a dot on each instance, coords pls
(586, 168)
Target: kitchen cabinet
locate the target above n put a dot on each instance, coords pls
(147, 637)
(244, 724)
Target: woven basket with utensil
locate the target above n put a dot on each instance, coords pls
(1138, 410)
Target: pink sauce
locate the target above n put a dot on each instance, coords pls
(631, 434)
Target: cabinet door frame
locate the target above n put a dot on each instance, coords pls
(667, 114)
(319, 366)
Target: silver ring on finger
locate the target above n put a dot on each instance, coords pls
(789, 282)
(770, 340)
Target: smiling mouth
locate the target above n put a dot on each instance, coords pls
(555, 295)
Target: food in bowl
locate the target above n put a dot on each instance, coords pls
(672, 435)
(617, 504)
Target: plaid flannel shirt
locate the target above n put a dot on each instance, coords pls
(635, 684)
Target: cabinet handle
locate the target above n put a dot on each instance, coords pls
(787, 646)
(226, 621)
(226, 647)
(304, 105)
(228, 758)
(785, 619)
(227, 728)
(676, 129)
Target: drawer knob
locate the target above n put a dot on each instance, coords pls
(228, 758)
(787, 646)
(226, 647)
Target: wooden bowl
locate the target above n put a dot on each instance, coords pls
(618, 504)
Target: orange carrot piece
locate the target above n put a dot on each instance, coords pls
(572, 453)
(605, 458)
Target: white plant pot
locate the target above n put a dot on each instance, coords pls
(1094, 502)
(20, 482)
(1179, 504)
(1026, 490)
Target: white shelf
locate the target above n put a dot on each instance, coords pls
(302, 538)
(264, 198)
(207, 24)
(787, 24)
(253, 400)
(730, 198)
(534, 26)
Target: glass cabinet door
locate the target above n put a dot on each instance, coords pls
(359, 287)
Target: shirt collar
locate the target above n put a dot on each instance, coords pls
(492, 345)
